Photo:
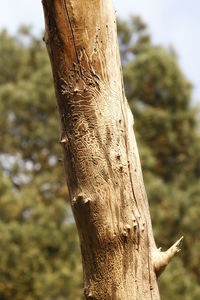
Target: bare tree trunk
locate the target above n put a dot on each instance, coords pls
(108, 198)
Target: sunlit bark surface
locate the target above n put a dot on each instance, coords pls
(102, 164)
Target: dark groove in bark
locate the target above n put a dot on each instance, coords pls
(149, 267)
(126, 143)
(70, 25)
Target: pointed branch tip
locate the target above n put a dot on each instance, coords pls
(162, 259)
(63, 141)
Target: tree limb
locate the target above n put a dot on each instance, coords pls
(162, 259)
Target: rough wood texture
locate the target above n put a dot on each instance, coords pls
(101, 158)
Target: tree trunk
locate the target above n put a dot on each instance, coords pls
(108, 198)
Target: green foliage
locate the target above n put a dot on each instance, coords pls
(39, 251)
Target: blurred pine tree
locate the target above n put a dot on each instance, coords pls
(39, 252)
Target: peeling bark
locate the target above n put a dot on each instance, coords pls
(102, 164)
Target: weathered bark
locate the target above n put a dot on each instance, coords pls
(108, 198)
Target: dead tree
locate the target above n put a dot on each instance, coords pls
(108, 198)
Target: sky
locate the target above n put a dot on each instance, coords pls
(170, 22)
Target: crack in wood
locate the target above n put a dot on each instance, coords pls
(71, 29)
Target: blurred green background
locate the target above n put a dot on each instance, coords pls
(39, 250)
